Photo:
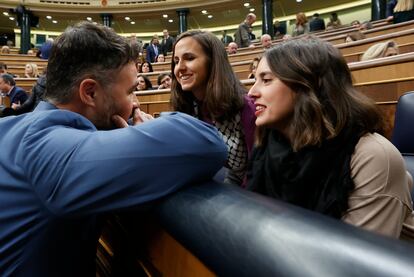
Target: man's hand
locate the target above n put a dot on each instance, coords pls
(15, 106)
(138, 117)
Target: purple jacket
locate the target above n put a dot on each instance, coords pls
(248, 121)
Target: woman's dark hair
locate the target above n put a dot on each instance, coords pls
(148, 84)
(224, 92)
(326, 101)
(149, 65)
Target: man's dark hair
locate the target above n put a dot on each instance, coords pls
(84, 51)
(8, 79)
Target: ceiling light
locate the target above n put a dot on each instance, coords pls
(132, 22)
(89, 18)
(165, 15)
(252, 10)
(298, 1)
(54, 21)
(204, 12)
(127, 18)
(210, 16)
(6, 13)
(170, 20)
(48, 17)
(246, 4)
(11, 18)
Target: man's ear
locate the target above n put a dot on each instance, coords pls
(88, 91)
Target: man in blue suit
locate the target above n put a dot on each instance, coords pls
(153, 50)
(66, 163)
(8, 87)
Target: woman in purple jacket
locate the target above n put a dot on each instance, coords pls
(205, 86)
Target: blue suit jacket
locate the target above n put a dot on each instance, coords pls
(151, 55)
(17, 94)
(58, 173)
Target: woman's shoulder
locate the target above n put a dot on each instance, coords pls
(378, 151)
(374, 144)
(378, 167)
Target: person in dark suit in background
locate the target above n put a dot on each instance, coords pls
(35, 97)
(153, 49)
(167, 42)
(226, 39)
(252, 36)
(389, 11)
(403, 11)
(317, 23)
(279, 29)
(16, 94)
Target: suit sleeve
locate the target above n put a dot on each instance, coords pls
(77, 172)
(21, 96)
(148, 56)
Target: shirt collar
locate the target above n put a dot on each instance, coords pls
(8, 93)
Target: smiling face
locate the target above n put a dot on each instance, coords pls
(274, 100)
(191, 66)
(141, 84)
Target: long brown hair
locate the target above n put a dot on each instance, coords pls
(224, 92)
(326, 101)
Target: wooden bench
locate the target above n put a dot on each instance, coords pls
(401, 37)
(403, 48)
(153, 76)
(333, 34)
(402, 34)
(26, 83)
(154, 102)
(383, 30)
(21, 60)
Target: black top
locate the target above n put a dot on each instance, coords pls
(403, 16)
